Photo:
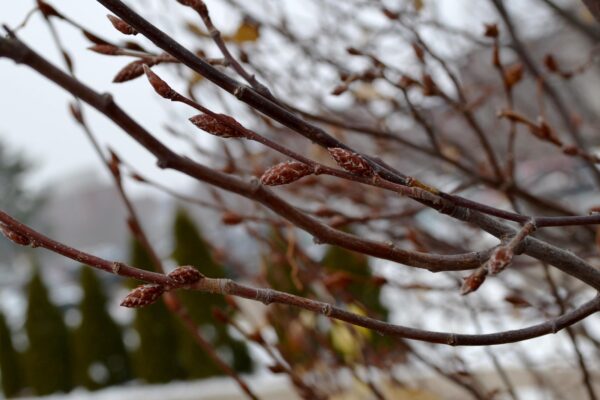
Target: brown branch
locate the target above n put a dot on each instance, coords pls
(26, 236)
(567, 262)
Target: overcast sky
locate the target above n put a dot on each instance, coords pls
(33, 111)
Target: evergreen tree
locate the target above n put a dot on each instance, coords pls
(191, 249)
(98, 340)
(48, 358)
(156, 359)
(10, 367)
(296, 341)
(361, 295)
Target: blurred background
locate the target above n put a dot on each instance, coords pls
(62, 331)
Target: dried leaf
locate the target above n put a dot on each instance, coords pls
(284, 173)
(248, 31)
(196, 29)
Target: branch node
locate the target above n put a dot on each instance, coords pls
(107, 100)
(326, 309)
(265, 296)
(116, 267)
(240, 91)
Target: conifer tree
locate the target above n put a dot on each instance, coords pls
(156, 359)
(98, 340)
(362, 295)
(191, 249)
(296, 341)
(48, 361)
(10, 366)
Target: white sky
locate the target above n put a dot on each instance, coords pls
(33, 111)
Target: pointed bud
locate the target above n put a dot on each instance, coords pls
(218, 127)
(491, 31)
(161, 87)
(219, 315)
(513, 74)
(473, 281)
(185, 275)
(15, 237)
(231, 218)
(131, 71)
(121, 25)
(284, 173)
(500, 259)
(550, 63)
(143, 296)
(106, 49)
(351, 161)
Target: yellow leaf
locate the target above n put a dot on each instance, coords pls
(418, 4)
(344, 341)
(195, 79)
(246, 32)
(366, 333)
(195, 29)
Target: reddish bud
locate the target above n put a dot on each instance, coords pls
(114, 164)
(106, 49)
(339, 89)
(491, 31)
(47, 10)
(217, 126)
(390, 14)
(131, 71)
(517, 301)
(351, 161)
(500, 259)
(473, 281)
(571, 150)
(143, 296)
(15, 237)
(277, 368)
(185, 275)
(419, 52)
(429, 86)
(284, 173)
(256, 337)
(75, 111)
(231, 218)
(513, 74)
(550, 63)
(121, 25)
(337, 280)
(219, 315)
(406, 82)
(161, 87)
